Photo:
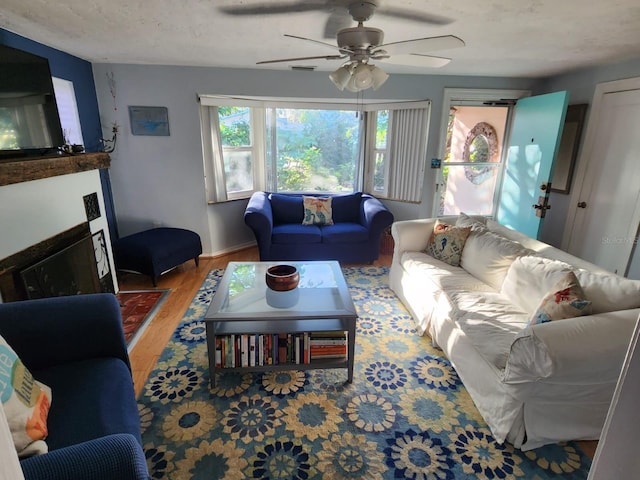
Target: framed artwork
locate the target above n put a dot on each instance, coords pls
(152, 121)
(568, 150)
(102, 262)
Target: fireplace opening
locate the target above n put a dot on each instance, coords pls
(65, 264)
(71, 271)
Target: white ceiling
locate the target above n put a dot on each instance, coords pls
(532, 38)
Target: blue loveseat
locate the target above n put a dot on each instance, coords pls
(276, 220)
(76, 346)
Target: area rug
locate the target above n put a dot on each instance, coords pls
(406, 414)
(138, 308)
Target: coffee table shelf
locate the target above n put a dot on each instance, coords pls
(244, 305)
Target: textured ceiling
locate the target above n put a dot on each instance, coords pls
(531, 38)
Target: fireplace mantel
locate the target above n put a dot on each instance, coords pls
(25, 170)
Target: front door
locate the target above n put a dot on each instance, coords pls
(533, 146)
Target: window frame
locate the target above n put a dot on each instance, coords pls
(264, 177)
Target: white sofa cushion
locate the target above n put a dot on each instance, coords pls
(490, 321)
(530, 278)
(609, 292)
(488, 256)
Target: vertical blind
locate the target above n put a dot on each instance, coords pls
(407, 153)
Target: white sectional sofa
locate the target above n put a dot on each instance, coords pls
(533, 384)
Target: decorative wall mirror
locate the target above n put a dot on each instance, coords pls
(568, 150)
(481, 146)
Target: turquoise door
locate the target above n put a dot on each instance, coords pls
(533, 146)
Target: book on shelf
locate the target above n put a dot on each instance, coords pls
(250, 350)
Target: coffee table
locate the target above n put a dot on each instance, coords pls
(243, 306)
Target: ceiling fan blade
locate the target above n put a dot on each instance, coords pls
(423, 44)
(297, 59)
(336, 22)
(273, 8)
(417, 60)
(413, 15)
(318, 42)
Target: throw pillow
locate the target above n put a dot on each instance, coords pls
(565, 300)
(25, 401)
(446, 242)
(317, 211)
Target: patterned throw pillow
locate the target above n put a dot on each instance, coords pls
(317, 211)
(565, 300)
(25, 401)
(446, 242)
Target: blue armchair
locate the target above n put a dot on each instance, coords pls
(76, 346)
(276, 220)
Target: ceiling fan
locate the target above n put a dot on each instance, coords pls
(360, 44)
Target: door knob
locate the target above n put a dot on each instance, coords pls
(543, 187)
(582, 204)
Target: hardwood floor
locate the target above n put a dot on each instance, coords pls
(183, 283)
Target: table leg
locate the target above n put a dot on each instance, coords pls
(352, 348)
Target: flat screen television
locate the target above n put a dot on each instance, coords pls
(29, 120)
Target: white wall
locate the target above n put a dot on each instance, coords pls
(581, 86)
(158, 180)
(31, 212)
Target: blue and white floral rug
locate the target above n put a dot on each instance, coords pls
(406, 415)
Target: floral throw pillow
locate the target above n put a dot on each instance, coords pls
(446, 243)
(317, 211)
(565, 300)
(25, 401)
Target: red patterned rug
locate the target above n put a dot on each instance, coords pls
(138, 308)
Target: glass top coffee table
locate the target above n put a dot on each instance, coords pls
(253, 328)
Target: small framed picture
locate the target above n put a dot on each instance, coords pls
(149, 121)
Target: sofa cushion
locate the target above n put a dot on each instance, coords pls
(344, 233)
(566, 299)
(346, 208)
(26, 403)
(488, 256)
(286, 208)
(447, 242)
(609, 292)
(530, 278)
(296, 233)
(490, 322)
(424, 269)
(92, 398)
(476, 222)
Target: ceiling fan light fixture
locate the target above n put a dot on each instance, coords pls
(341, 77)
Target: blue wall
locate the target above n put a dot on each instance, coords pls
(80, 72)
(75, 70)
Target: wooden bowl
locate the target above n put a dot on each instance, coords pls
(282, 278)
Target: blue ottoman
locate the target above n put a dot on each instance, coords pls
(156, 251)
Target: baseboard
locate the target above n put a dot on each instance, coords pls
(230, 250)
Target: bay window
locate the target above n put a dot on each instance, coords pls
(251, 145)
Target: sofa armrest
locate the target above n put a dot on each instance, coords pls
(580, 350)
(117, 456)
(375, 216)
(259, 218)
(58, 330)
(411, 235)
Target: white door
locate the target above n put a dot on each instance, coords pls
(605, 212)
